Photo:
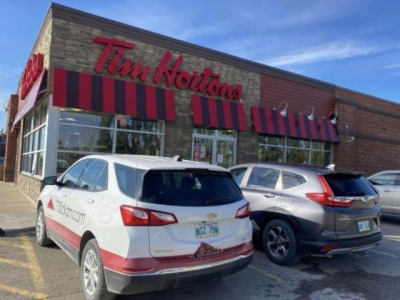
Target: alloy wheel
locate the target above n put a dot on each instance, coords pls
(39, 226)
(278, 242)
(91, 272)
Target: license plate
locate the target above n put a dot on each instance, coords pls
(203, 230)
(363, 226)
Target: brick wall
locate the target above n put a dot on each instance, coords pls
(375, 124)
(298, 96)
(72, 48)
(11, 143)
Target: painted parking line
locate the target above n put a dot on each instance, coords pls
(395, 238)
(266, 274)
(36, 271)
(17, 291)
(383, 253)
(10, 244)
(14, 263)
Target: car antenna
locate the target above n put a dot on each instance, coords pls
(331, 167)
(177, 158)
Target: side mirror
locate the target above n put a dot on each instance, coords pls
(51, 180)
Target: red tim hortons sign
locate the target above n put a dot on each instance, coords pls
(33, 69)
(204, 82)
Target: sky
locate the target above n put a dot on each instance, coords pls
(351, 43)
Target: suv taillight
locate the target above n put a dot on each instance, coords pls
(327, 197)
(134, 216)
(243, 212)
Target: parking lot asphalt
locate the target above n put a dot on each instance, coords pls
(30, 272)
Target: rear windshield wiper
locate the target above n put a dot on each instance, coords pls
(217, 200)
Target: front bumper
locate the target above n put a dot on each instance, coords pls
(128, 284)
(341, 246)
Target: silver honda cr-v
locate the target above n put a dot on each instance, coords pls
(300, 210)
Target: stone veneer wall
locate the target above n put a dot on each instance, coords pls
(72, 48)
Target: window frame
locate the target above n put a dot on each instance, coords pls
(285, 148)
(113, 128)
(34, 127)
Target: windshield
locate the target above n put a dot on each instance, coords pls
(348, 185)
(190, 188)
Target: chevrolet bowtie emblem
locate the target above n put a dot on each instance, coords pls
(211, 216)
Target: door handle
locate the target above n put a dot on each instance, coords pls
(269, 195)
(89, 200)
(387, 190)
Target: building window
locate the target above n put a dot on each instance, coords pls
(291, 150)
(34, 139)
(84, 133)
(214, 146)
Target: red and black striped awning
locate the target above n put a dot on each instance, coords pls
(214, 113)
(270, 121)
(108, 95)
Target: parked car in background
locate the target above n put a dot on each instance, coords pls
(387, 183)
(300, 210)
(143, 223)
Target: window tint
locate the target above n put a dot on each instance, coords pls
(343, 185)
(126, 179)
(263, 178)
(102, 182)
(71, 178)
(190, 188)
(384, 179)
(238, 175)
(290, 180)
(92, 174)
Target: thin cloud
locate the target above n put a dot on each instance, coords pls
(336, 50)
(393, 66)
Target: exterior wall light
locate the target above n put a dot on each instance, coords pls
(310, 116)
(283, 112)
(333, 117)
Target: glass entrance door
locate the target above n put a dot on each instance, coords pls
(214, 147)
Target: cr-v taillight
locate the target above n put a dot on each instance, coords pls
(244, 211)
(134, 216)
(327, 197)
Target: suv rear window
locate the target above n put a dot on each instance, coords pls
(343, 185)
(189, 188)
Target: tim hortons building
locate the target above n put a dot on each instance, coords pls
(92, 85)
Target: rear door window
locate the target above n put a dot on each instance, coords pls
(291, 180)
(238, 175)
(263, 178)
(189, 188)
(92, 174)
(348, 185)
(388, 179)
(71, 178)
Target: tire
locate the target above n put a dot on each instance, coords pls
(41, 232)
(92, 261)
(280, 243)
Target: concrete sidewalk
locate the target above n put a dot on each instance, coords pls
(16, 211)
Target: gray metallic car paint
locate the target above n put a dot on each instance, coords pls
(311, 220)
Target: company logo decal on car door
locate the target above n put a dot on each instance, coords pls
(65, 210)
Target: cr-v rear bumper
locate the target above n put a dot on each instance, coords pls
(174, 278)
(337, 247)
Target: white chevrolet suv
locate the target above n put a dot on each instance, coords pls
(142, 223)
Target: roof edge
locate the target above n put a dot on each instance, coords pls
(79, 16)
